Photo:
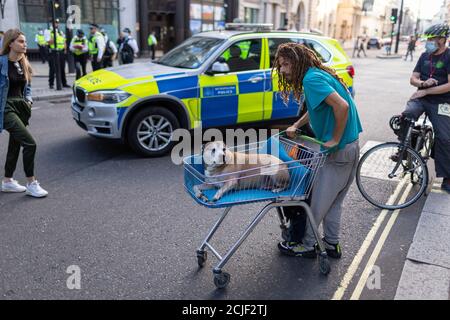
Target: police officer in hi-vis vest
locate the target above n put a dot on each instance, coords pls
(96, 47)
(152, 42)
(57, 51)
(42, 44)
(79, 49)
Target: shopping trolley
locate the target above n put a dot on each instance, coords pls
(303, 156)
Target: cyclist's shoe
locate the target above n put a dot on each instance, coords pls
(446, 185)
(296, 249)
(395, 157)
(333, 250)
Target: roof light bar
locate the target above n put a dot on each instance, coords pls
(249, 26)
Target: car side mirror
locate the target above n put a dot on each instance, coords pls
(219, 66)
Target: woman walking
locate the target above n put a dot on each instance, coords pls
(15, 112)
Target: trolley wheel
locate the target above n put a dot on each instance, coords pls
(324, 264)
(221, 280)
(202, 256)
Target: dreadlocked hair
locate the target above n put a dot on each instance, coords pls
(302, 58)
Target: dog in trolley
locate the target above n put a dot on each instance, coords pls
(230, 171)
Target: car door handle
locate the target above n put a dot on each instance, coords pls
(256, 79)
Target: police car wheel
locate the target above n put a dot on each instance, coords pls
(151, 130)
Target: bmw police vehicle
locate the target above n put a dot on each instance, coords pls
(213, 79)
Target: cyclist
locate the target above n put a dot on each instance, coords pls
(334, 119)
(432, 78)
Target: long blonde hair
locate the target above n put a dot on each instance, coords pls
(302, 58)
(10, 36)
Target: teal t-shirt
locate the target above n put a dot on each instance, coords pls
(318, 85)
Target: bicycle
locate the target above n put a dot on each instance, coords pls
(389, 168)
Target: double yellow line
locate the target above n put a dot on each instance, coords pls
(338, 295)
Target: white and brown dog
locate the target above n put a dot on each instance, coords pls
(228, 170)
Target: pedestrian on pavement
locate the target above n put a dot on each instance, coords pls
(120, 40)
(152, 42)
(15, 112)
(432, 78)
(57, 52)
(356, 46)
(362, 48)
(42, 44)
(128, 49)
(387, 47)
(411, 48)
(79, 48)
(332, 114)
(110, 51)
(96, 47)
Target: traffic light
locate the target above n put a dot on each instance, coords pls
(394, 15)
(56, 4)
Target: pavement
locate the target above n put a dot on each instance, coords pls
(41, 90)
(426, 273)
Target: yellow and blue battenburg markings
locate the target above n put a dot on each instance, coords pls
(220, 100)
(224, 99)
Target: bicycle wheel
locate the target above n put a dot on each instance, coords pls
(383, 181)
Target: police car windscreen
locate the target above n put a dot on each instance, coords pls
(192, 53)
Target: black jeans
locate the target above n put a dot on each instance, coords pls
(43, 53)
(62, 66)
(80, 65)
(107, 62)
(17, 114)
(409, 53)
(152, 50)
(96, 65)
(439, 115)
(297, 218)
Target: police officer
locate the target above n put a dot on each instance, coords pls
(42, 44)
(110, 51)
(79, 49)
(96, 47)
(432, 78)
(57, 51)
(128, 48)
(152, 42)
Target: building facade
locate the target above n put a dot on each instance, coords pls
(176, 20)
(348, 22)
(301, 14)
(172, 20)
(30, 15)
(264, 11)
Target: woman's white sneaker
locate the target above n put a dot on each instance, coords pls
(12, 186)
(35, 190)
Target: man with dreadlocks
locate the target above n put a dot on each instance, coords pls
(332, 114)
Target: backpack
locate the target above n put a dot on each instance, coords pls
(108, 51)
(127, 53)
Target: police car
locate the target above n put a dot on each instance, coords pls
(213, 79)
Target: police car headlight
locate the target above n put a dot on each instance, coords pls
(108, 96)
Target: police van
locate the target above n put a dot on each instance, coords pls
(213, 79)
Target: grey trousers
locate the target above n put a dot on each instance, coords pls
(330, 188)
(439, 116)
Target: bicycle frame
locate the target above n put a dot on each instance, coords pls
(407, 143)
